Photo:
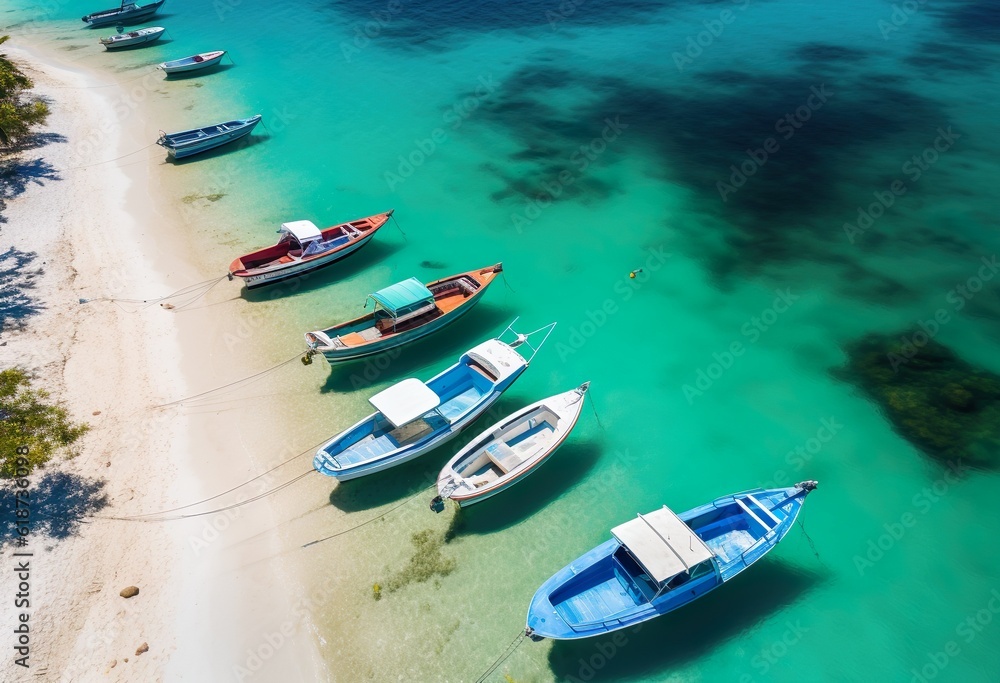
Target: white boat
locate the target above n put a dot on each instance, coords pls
(133, 38)
(193, 63)
(510, 450)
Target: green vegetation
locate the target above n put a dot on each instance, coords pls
(28, 420)
(934, 399)
(427, 562)
(18, 115)
(192, 198)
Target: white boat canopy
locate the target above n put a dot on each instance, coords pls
(662, 543)
(404, 402)
(303, 231)
(497, 357)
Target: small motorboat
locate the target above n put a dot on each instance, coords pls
(402, 313)
(193, 63)
(190, 142)
(414, 417)
(303, 248)
(510, 450)
(135, 38)
(128, 13)
(661, 561)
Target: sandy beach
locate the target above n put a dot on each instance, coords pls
(207, 608)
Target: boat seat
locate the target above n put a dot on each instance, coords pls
(411, 431)
(352, 339)
(503, 456)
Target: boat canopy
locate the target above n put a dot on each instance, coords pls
(404, 298)
(662, 543)
(496, 357)
(405, 401)
(303, 231)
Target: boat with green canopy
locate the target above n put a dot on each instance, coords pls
(401, 313)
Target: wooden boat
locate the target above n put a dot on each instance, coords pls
(127, 13)
(414, 417)
(135, 38)
(402, 313)
(303, 248)
(661, 561)
(193, 63)
(190, 142)
(510, 450)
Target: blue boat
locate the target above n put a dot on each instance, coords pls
(414, 417)
(188, 142)
(127, 13)
(661, 561)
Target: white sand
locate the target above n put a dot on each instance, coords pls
(214, 592)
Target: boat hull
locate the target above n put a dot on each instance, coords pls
(298, 269)
(135, 42)
(343, 355)
(193, 66)
(545, 621)
(572, 416)
(189, 150)
(135, 16)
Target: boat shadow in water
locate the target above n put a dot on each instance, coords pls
(251, 140)
(411, 359)
(679, 637)
(415, 478)
(565, 469)
(353, 264)
(206, 71)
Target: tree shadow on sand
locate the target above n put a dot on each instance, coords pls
(17, 172)
(17, 281)
(674, 639)
(58, 503)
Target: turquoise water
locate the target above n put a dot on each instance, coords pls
(468, 119)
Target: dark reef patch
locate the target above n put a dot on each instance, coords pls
(944, 406)
(787, 208)
(972, 20)
(828, 52)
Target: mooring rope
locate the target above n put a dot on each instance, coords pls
(252, 377)
(106, 161)
(373, 519)
(396, 223)
(207, 285)
(175, 518)
(503, 657)
(311, 449)
(593, 405)
(503, 275)
(810, 541)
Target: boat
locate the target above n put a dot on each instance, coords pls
(134, 38)
(402, 313)
(414, 417)
(661, 561)
(303, 248)
(509, 450)
(193, 63)
(128, 12)
(190, 142)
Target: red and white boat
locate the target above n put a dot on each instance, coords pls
(303, 248)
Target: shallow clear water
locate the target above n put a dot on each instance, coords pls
(468, 119)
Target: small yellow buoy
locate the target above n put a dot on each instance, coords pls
(377, 591)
